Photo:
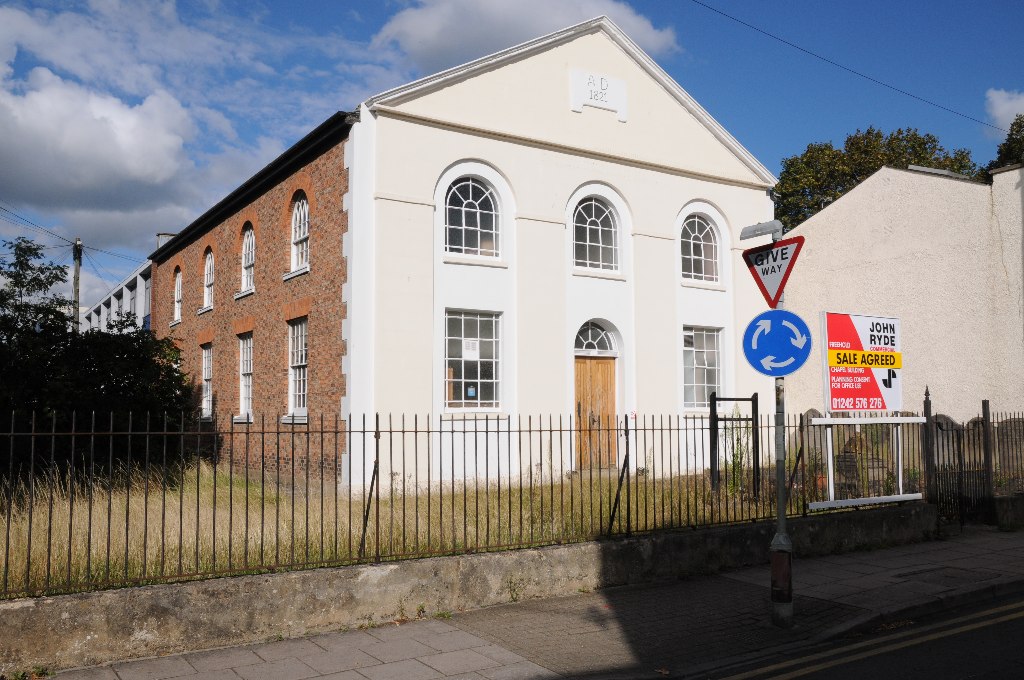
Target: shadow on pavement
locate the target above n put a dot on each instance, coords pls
(683, 628)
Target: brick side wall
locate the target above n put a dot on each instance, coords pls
(265, 312)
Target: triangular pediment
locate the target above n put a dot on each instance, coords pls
(587, 88)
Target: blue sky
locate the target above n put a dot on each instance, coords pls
(122, 119)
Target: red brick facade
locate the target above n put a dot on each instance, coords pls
(317, 295)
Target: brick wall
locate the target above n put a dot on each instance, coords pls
(316, 294)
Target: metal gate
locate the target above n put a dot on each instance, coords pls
(729, 436)
(960, 465)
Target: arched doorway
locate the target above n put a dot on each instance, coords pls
(595, 353)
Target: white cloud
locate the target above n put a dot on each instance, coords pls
(129, 230)
(437, 34)
(122, 118)
(1003, 106)
(77, 147)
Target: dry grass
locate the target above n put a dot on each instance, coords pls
(57, 535)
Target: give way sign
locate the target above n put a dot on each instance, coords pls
(771, 265)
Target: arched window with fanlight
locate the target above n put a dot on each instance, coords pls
(595, 235)
(300, 231)
(471, 219)
(208, 280)
(593, 340)
(699, 249)
(177, 294)
(248, 258)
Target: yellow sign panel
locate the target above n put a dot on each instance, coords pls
(859, 359)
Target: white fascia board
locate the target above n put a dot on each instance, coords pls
(437, 81)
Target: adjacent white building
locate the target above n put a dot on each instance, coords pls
(941, 253)
(131, 295)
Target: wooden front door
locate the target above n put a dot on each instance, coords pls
(595, 412)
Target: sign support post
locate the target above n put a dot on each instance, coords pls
(781, 548)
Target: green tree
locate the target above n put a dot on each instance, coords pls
(26, 300)
(822, 173)
(33, 320)
(1012, 149)
(47, 367)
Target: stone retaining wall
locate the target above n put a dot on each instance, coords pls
(93, 628)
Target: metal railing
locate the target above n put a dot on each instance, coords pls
(975, 461)
(95, 501)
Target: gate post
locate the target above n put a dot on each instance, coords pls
(715, 473)
(986, 445)
(929, 450)
(755, 444)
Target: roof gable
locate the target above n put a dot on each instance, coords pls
(528, 91)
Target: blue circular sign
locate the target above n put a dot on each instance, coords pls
(777, 342)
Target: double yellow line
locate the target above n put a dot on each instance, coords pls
(890, 643)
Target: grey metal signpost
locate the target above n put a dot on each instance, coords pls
(781, 548)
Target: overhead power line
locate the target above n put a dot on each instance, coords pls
(7, 214)
(855, 72)
(96, 267)
(110, 252)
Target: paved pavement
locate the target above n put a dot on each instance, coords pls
(684, 628)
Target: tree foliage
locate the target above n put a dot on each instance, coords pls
(1011, 151)
(822, 173)
(47, 367)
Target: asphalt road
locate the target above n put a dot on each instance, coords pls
(981, 643)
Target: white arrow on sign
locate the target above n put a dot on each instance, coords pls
(769, 362)
(800, 340)
(771, 265)
(763, 326)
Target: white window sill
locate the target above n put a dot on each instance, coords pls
(244, 293)
(703, 285)
(294, 420)
(606, 274)
(698, 410)
(174, 323)
(297, 272)
(474, 261)
(471, 413)
(243, 420)
(204, 310)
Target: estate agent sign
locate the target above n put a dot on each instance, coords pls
(863, 363)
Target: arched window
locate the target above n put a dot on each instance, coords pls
(699, 249)
(592, 339)
(208, 280)
(248, 257)
(300, 231)
(471, 218)
(595, 235)
(177, 293)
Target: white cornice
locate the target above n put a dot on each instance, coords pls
(399, 114)
(403, 93)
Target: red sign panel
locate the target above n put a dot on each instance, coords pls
(863, 363)
(771, 265)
